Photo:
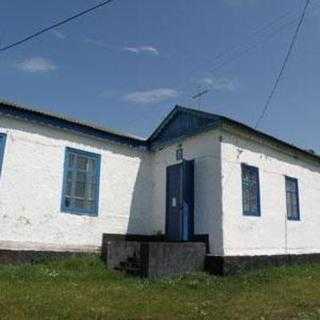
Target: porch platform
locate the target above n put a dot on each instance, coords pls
(154, 259)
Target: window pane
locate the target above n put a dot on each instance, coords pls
(91, 191)
(81, 182)
(81, 177)
(71, 159)
(80, 204)
(250, 190)
(291, 185)
(288, 204)
(67, 202)
(90, 205)
(82, 163)
(80, 189)
(292, 198)
(246, 205)
(253, 199)
(294, 205)
(68, 189)
(91, 165)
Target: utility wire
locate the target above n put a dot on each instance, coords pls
(294, 38)
(58, 24)
(260, 35)
(256, 43)
(254, 33)
(237, 54)
(265, 28)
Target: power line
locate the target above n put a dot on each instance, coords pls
(58, 24)
(259, 35)
(264, 32)
(237, 54)
(252, 45)
(266, 28)
(258, 30)
(294, 38)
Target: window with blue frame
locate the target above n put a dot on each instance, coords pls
(3, 138)
(81, 182)
(250, 190)
(292, 198)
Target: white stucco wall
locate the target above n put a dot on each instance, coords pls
(271, 233)
(133, 192)
(31, 188)
(204, 149)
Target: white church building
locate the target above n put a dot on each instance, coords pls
(65, 183)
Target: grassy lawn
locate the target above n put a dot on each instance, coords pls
(83, 289)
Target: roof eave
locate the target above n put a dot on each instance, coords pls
(62, 122)
(303, 152)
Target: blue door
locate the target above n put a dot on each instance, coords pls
(180, 199)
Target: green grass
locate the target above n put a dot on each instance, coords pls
(83, 289)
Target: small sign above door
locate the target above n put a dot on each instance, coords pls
(179, 154)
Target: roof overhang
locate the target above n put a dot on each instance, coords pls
(10, 109)
(207, 121)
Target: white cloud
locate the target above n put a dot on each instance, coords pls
(136, 50)
(220, 84)
(58, 34)
(36, 64)
(141, 49)
(151, 96)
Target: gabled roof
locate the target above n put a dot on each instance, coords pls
(181, 122)
(63, 122)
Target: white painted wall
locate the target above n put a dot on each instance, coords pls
(31, 188)
(271, 233)
(132, 189)
(205, 150)
(133, 192)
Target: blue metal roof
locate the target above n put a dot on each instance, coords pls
(61, 121)
(179, 123)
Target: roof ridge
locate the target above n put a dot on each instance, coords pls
(51, 118)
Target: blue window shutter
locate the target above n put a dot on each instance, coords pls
(80, 194)
(292, 198)
(3, 138)
(250, 190)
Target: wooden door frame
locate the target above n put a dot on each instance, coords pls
(190, 201)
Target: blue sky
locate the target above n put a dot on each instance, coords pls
(129, 63)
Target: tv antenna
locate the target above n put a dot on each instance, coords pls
(198, 96)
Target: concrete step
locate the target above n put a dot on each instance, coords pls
(131, 266)
(125, 264)
(133, 259)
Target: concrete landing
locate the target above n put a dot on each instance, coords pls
(154, 259)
